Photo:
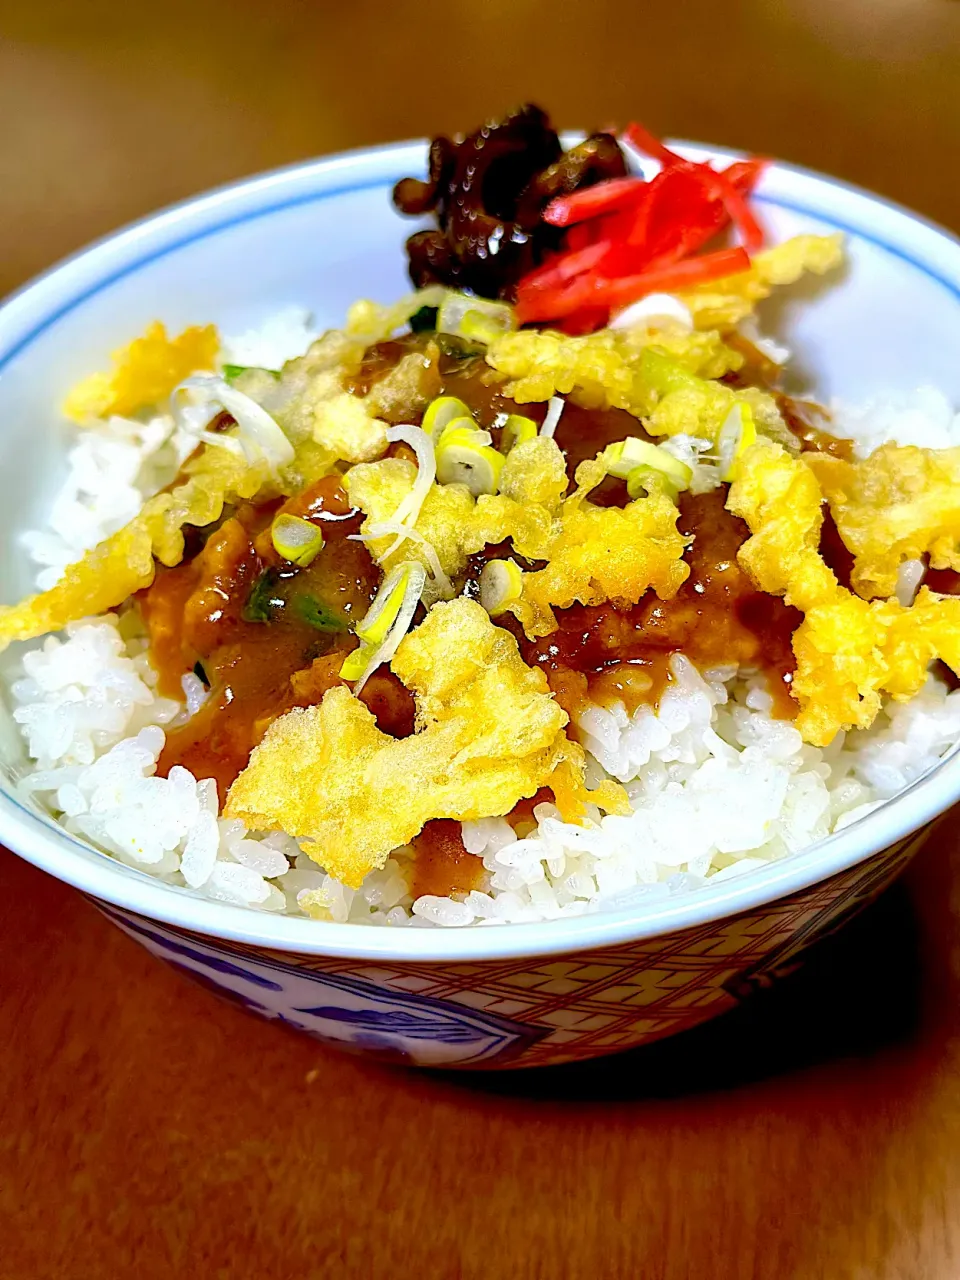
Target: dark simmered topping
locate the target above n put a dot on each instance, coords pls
(488, 192)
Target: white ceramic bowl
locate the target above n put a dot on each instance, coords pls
(323, 234)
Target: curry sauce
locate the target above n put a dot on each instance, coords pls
(604, 653)
(266, 636)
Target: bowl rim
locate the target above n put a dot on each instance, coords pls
(41, 302)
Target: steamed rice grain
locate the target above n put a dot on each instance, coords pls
(718, 786)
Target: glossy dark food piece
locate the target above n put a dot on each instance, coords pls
(488, 192)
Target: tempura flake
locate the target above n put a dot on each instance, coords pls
(489, 733)
(897, 504)
(600, 370)
(144, 373)
(849, 652)
(126, 562)
(722, 304)
(593, 553)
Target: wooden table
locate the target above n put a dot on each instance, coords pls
(147, 1130)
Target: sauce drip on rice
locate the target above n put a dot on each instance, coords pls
(266, 636)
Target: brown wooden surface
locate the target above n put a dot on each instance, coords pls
(145, 1129)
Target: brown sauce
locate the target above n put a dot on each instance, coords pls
(834, 551)
(606, 652)
(261, 665)
(442, 865)
(944, 581)
(581, 433)
(810, 423)
(265, 635)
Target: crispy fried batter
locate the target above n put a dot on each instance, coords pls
(780, 500)
(594, 553)
(849, 652)
(897, 504)
(572, 795)
(929, 629)
(722, 304)
(124, 563)
(603, 553)
(354, 428)
(369, 322)
(535, 472)
(310, 400)
(489, 734)
(841, 669)
(445, 518)
(145, 372)
(606, 370)
(701, 410)
(453, 522)
(600, 370)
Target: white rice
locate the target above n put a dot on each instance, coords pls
(116, 465)
(718, 786)
(923, 417)
(113, 467)
(282, 337)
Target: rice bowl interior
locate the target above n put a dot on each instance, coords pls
(716, 780)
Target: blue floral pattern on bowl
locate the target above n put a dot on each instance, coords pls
(532, 1010)
(350, 1012)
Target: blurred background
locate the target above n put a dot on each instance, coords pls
(113, 108)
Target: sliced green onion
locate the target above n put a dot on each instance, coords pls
(555, 407)
(296, 539)
(231, 371)
(458, 425)
(652, 311)
(390, 615)
(633, 458)
(442, 411)
(657, 470)
(476, 319)
(477, 327)
(501, 581)
(465, 457)
(257, 433)
(408, 510)
(623, 455)
(664, 374)
(382, 614)
(403, 533)
(355, 663)
(738, 433)
(516, 430)
(644, 481)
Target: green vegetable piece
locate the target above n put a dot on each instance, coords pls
(665, 374)
(316, 614)
(455, 348)
(424, 320)
(233, 371)
(263, 598)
